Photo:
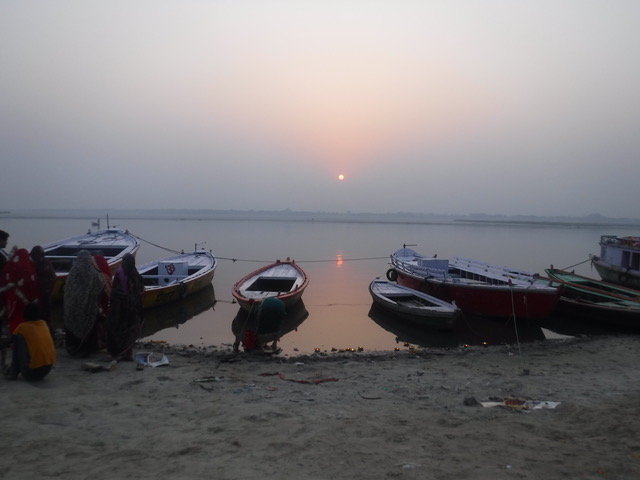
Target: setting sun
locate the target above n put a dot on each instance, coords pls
(340, 177)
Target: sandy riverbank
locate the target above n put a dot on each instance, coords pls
(412, 415)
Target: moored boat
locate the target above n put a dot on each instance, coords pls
(176, 277)
(619, 260)
(113, 243)
(282, 279)
(477, 288)
(413, 305)
(597, 300)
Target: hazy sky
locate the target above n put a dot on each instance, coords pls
(434, 106)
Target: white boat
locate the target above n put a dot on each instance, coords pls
(282, 279)
(619, 260)
(413, 305)
(174, 278)
(113, 243)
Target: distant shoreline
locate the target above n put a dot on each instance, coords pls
(322, 217)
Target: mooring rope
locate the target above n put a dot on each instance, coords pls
(515, 325)
(579, 263)
(253, 260)
(156, 245)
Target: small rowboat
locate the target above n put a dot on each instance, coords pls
(113, 243)
(284, 280)
(413, 305)
(174, 278)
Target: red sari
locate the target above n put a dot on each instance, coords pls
(19, 285)
(104, 267)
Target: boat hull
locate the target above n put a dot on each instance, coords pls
(624, 317)
(619, 276)
(487, 300)
(164, 285)
(114, 244)
(619, 260)
(477, 288)
(283, 279)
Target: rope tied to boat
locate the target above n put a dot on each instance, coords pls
(575, 265)
(515, 325)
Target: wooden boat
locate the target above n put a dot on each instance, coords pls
(619, 260)
(413, 305)
(174, 278)
(597, 300)
(113, 243)
(284, 280)
(477, 288)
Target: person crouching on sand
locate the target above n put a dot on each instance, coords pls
(33, 350)
(265, 327)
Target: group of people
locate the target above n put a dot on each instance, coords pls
(26, 281)
(100, 311)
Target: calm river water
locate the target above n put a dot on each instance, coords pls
(340, 260)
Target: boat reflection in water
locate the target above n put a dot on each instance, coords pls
(296, 314)
(178, 312)
(467, 330)
(572, 324)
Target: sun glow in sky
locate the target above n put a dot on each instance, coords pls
(501, 99)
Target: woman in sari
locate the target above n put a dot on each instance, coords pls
(19, 287)
(46, 277)
(82, 306)
(125, 316)
(105, 269)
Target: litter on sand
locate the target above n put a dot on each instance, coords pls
(152, 359)
(96, 367)
(521, 404)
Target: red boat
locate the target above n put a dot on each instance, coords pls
(477, 288)
(283, 279)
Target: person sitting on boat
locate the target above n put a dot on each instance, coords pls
(83, 316)
(33, 350)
